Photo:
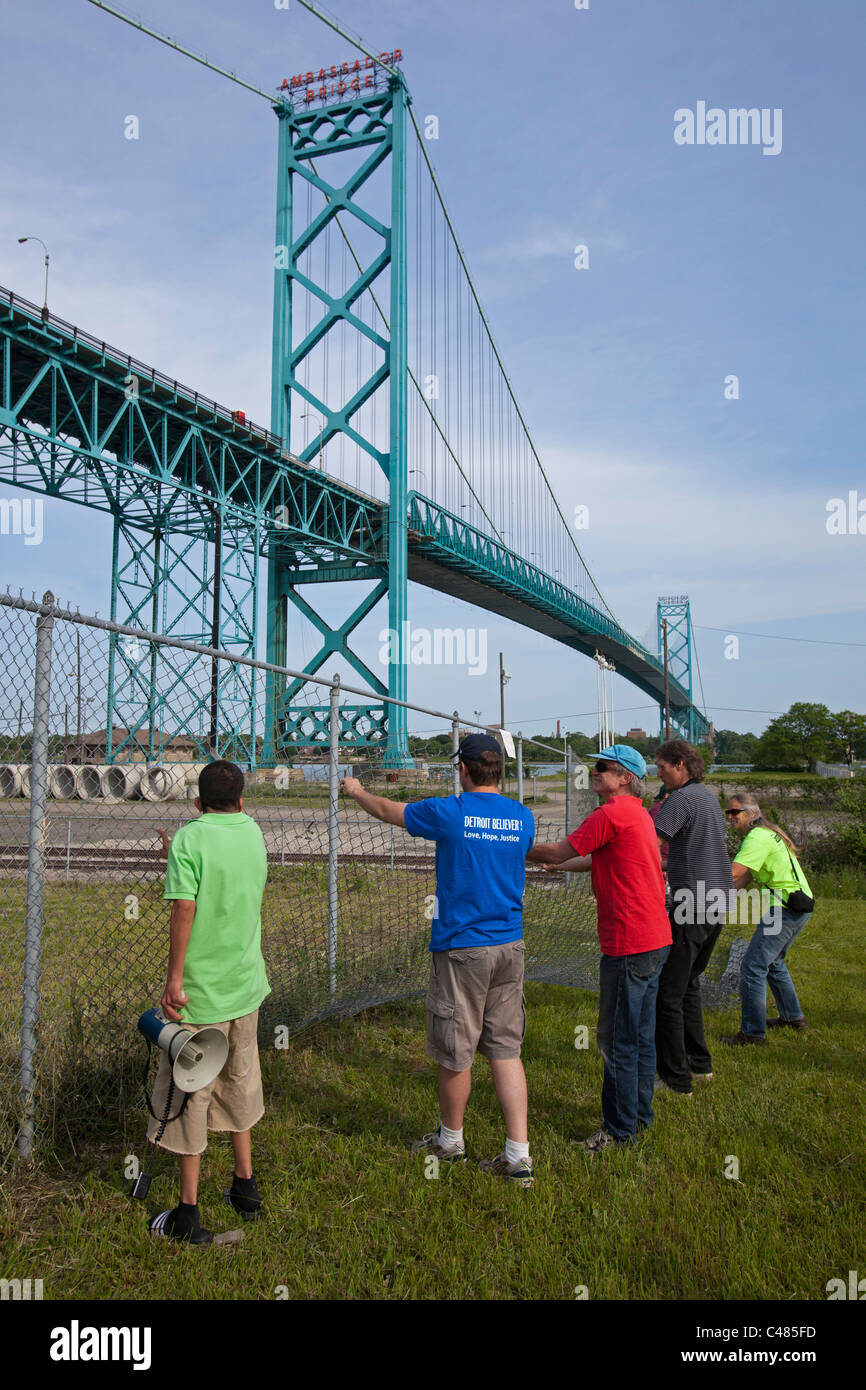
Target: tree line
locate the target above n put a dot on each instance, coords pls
(793, 742)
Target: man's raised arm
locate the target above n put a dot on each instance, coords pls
(551, 853)
(392, 812)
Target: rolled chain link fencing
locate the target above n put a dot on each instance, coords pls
(85, 814)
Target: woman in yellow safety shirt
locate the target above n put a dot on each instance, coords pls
(767, 856)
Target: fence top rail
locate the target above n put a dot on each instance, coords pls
(49, 608)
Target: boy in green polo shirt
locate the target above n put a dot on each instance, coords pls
(215, 879)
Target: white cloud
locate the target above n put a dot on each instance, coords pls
(758, 552)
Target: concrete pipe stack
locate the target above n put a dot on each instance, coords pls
(62, 781)
(10, 779)
(120, 782)
(88, 782)
(163, 783)
(109, 783)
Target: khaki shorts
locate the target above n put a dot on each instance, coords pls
(475, 1004)
(233, 1100)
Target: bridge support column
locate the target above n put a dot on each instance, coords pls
(200, 587)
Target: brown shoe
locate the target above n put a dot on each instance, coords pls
(742, 1039)
(798, 1023)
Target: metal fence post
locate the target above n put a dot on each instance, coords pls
(35, 872)
(333, 831)
(519, 766)
(568, 765)
(455, 744)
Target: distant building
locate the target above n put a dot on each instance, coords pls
(636, 733)
(93, 748)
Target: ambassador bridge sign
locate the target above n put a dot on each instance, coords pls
(339, 79)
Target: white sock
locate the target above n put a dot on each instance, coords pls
(449, 1137)
(515, 1152)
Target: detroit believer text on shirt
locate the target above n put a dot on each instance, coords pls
(482, 840)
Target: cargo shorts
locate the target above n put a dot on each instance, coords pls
(475, 1004)
(233, 1101)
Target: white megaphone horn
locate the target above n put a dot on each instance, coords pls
(196, 1055)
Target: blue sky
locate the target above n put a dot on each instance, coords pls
(556, 128)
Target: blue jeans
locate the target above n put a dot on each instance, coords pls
(763, 964)
(626, 1039)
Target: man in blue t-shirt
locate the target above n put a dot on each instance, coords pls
(475, 999)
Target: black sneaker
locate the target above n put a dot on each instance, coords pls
(168, 1224)
(245, 1200)
(798, 1023)
(662, 1088)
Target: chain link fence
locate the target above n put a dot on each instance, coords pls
(88, 805)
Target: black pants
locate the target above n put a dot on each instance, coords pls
(680, 1044)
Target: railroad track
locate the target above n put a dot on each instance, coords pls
(81, 857)
(94, 859)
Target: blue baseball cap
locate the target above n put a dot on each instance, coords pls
(630, 758)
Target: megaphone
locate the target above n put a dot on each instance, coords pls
(197, 1055)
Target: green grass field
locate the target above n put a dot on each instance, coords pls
(352, 1215)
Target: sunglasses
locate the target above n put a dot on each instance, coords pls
(737, 812)
(604, 767)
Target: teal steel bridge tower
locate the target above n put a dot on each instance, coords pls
(370, 127)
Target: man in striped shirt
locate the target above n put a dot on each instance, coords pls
(690, 820)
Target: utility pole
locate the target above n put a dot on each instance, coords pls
(504, 678)
(667, 684)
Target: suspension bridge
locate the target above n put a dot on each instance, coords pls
(419, 464)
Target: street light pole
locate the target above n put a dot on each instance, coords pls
(309, 415)
(21, 241)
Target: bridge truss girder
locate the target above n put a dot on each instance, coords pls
(447, 552)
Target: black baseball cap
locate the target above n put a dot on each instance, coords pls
(473, 745)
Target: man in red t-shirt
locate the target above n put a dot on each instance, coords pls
(617, 842)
